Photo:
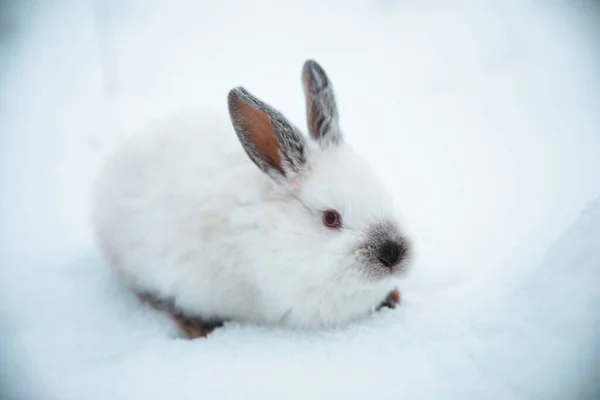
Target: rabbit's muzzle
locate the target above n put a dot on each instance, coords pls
(391, 252)
(385, 250)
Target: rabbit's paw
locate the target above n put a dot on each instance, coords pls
(194, 328)
(391, 301)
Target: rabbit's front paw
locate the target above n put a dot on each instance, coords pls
(391, 301)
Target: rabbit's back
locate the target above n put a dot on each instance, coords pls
(162, 208)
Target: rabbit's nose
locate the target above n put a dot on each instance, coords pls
(391, 252)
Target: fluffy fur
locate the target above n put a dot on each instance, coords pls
(232, 229)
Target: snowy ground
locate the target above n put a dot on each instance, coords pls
(483, 115)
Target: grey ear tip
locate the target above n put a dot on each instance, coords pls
(237, 92)
(311, 65)
(313, 69)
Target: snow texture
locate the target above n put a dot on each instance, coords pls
(481, 115)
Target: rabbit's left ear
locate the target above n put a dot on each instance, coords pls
(269, 139)
(321, 108)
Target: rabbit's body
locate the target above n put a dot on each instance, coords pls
(181, 212)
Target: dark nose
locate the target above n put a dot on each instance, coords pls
(390, 253)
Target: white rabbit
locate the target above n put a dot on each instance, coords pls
(281, 230)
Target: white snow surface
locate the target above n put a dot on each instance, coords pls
(482, 116)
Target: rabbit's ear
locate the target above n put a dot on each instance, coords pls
(321, 109)
(271, 142)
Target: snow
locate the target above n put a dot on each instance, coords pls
(481, 115)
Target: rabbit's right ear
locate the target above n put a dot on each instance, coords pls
(321, 108)
(269, 139)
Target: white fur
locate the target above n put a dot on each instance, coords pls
(181, 211)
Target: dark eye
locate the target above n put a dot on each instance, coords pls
(332, 219)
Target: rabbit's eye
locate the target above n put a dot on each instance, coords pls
(332, 219)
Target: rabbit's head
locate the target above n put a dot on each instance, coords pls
(332, 221)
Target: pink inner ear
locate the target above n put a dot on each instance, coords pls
(311, 109)
(259, 130)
